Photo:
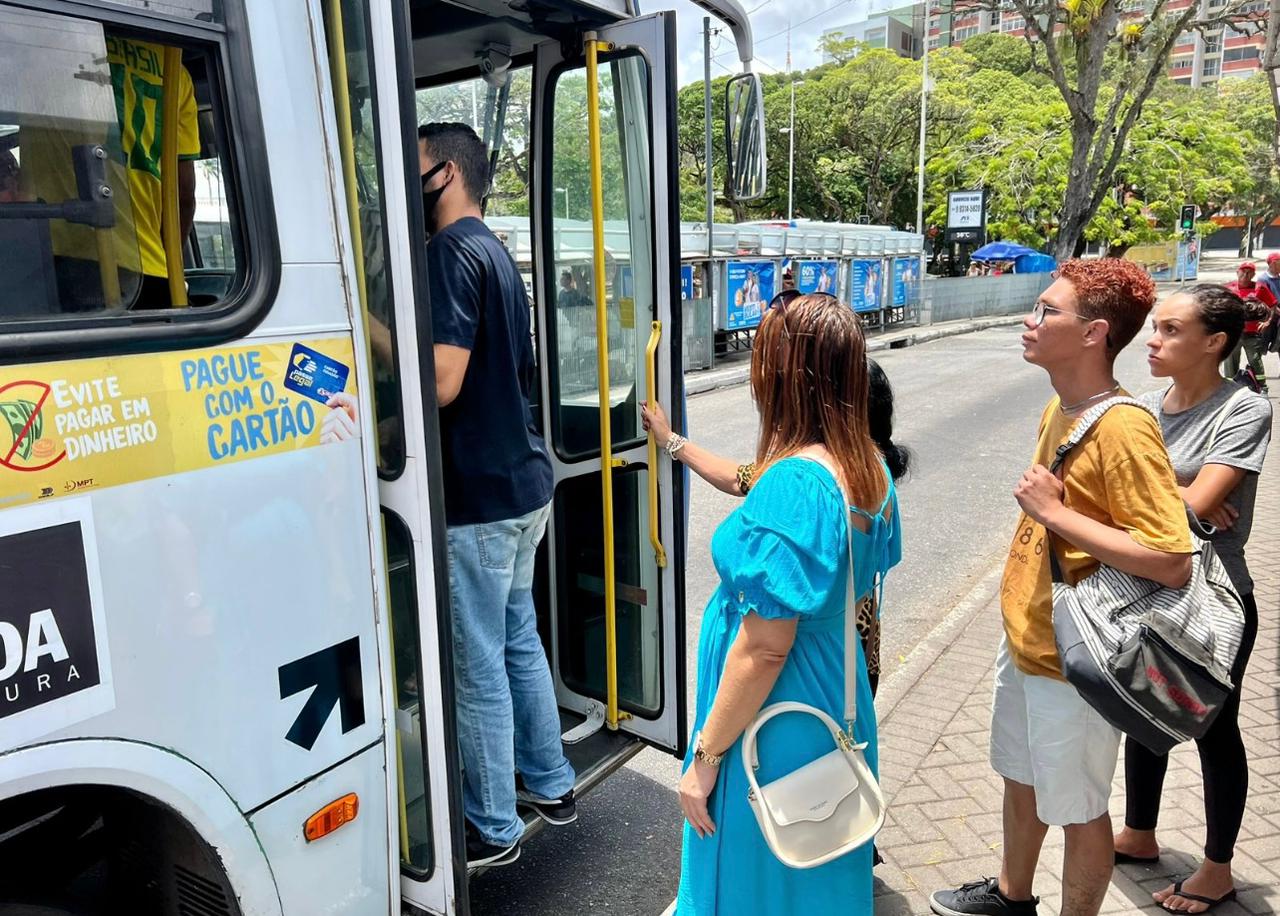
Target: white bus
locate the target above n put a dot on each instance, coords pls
(225, 652)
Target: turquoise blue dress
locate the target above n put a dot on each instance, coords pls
(783, 554)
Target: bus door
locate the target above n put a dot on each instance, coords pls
(621, 248)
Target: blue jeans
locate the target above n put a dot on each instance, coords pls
(508, 720)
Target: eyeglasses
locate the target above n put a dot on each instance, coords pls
(787, 296)
(1041, 307)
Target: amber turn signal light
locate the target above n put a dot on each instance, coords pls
(331, 817)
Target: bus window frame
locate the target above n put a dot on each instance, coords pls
(546, 223)
(242, 144)
(406, 89)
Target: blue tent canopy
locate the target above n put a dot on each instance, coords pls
(1035, 263)
(1001, 251)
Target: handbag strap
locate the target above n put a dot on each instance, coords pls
(1086, 422)
(850, 607)
(1240, 394)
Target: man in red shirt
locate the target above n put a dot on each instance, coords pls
(1253, 342)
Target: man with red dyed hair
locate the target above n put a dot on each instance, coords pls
(1117, 503)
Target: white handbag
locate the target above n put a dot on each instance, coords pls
(831, 805)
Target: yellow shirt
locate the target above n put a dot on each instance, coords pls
(1120, 475)
(137, 78)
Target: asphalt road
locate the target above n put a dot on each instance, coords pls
(967, 407)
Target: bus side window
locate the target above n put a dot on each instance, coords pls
(82, 150)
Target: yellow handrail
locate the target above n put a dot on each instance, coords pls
(651, 351)
(346, 146)
(170, 218)
(607, 462)
(107, 267)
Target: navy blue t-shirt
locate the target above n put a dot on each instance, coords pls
(495, 462)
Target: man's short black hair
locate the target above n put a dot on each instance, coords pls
(450, 141)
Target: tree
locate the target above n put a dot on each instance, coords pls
(1104, 65)
(1249, 111)
(997, 51)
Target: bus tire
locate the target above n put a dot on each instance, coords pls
(104, 850)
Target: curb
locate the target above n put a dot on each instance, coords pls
(894, 688)
(713, 379)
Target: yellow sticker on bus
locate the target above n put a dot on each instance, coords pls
(70, 426)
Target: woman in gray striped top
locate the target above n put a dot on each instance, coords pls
(1217, 435)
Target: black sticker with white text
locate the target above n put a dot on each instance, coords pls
(48, 643)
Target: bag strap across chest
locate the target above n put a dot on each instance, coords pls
(850, 606)
(1083, 425)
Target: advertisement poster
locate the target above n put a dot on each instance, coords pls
(816, 276)
(965, 209)
(74, 426)
(686, 281)
(1160, 261)
(625, 289)
(749, 289)
(1189, 259)
(905, 271)
(864, 284)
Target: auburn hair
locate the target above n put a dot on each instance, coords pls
(1119, 292)
(810, 382)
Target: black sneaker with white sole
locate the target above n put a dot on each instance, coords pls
(980, 898)
(555, 811)
(480, 852)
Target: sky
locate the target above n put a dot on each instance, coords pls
(769, 20)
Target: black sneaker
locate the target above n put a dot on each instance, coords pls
(555, 811)
(980, 898)
(480, 852)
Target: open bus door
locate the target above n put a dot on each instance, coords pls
(613, 233)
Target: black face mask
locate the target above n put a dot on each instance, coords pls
(431, 199)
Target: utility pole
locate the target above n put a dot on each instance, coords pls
(924, 104)
(791, 133)
(791, 154)
(709, 281)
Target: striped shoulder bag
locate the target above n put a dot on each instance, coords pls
(1153, 661)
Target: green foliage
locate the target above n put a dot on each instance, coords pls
(996, 51)
(994, 123)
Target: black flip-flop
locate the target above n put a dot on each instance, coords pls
(1179, 892)
(1123, 858)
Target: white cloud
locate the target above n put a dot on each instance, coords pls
(808, 19)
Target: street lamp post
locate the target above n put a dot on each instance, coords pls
(565, 192)
(791, 153)
(924, 102)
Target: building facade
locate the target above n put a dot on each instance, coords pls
(1199, 59)
(897, 29)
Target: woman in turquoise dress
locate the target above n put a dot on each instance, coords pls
(774, 629)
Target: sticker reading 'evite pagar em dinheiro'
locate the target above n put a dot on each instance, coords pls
(81, 425)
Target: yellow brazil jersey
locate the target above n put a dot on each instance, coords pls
(138, 83)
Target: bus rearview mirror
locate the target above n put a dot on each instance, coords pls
(745, 137)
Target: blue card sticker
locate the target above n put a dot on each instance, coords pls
(315, 375)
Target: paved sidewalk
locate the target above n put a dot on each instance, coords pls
(944, 800)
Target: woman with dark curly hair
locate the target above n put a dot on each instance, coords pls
(1217, 434)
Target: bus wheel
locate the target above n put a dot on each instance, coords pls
(100, 850)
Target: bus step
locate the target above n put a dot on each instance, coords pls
(585, 729)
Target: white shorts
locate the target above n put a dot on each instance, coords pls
(1045, 736)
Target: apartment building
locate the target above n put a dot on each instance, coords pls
(1198, 59)
(897, 29)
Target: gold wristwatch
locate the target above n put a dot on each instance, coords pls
(701, 753)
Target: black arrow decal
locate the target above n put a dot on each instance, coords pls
(335, 674)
